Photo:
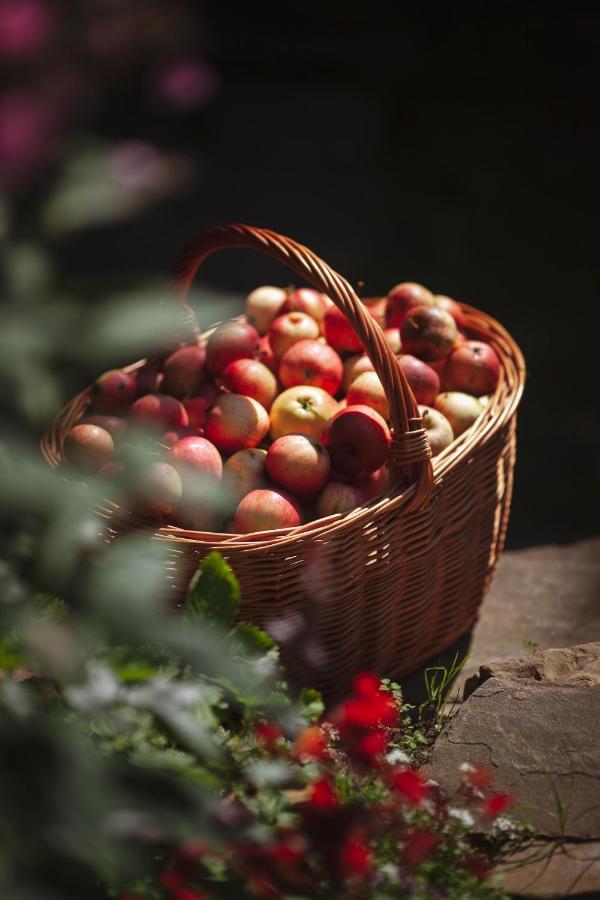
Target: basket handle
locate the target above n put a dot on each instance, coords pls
(410, 456)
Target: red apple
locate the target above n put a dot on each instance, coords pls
(394, 339)
(473, 367)
(263, 352)
(263, 305)
(115, 425)
(453, 308)
(194, 453)
(403, 298)
(299, 463)
(358, 440)
(156, 490)
(314, 363)
(236, 422)
(149, 377)
(244, 472)
(428, 332)
(290, 328)
(367, 390)
(438, 428)
(306, 300)
(115, 391)
(355, 366)
(183, 371)
(266, 510)
(158, 411)
(252, 379)
(339, 497)
(424, 381)
(88, 447)
(377, 307)
(197, 406)
(374, 484)
(303, 409)
(228, 342)
(460, 409)
(339, 332)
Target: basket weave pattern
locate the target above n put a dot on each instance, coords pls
(389, 585)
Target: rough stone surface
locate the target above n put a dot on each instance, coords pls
(553, 870)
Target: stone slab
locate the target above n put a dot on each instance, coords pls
(553, 870)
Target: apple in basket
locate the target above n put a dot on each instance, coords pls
(368, 390)
(183, 371)
(304, 408)
(290, 328)
(339, 332)
(358, 440)
(474, 368)
(228, 342)
(266, 510)
(460, 409)
(424, 381)
(298, 463)
(308, 301)
(453, 308)
(377, 306)
(88, 447)
(155, 491)
(196, 454)
(236, 422)
(402, 299)
(438, 428)
(354, 366)
(428, 332)
(114, 391)
(159, 412)
(244, 472)
(252, 379)
(339, 497)
(262, 305)
(263, 352)
(394, 339)
(314, 363)
(115, 425)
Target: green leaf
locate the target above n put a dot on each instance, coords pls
(214, 592)
(248, 640)
(311, 704)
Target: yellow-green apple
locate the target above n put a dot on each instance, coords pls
(339, 497)
(88, 447)
(266, 510)
(230, 341)
(424, 381)
(394, 339)
(251, 378)
(159, 412)
(339, 332)
(263, 305)
(183, 371)
(290, 328)
(263, 352)
(460, 409)
(358, 440)
(428, 332)
(115, 425)
(368, 390)
(453, 308)
(311, 362)
(155, 490)
(115, 391)
(306, 300)
(377, 307)
(298, 463)
(438, 428)
(236, 422)
(244, 472)
(304, 409)
(402, 299)
(473, 367)
(355, 366)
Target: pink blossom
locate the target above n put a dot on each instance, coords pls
(185, 84)
(25, 26)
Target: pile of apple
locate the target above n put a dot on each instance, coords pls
(282, 415)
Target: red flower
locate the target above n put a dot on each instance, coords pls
(186, 893)
(365, 684)
(311, 742)
(496, 804)
(322, 795)
(476, 776)
(372, 744)
(267, 732)
(172, 879)
(479, 866)
(418, 845)
(410, 785)
(355, 856)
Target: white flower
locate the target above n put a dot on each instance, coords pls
(505, 825)
(463, 815)
(466, 767)
(396, 757)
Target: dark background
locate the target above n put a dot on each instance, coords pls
(457, 149)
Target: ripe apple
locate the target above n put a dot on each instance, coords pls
(149, 377)
(339, 497)
(266, 510)
(374, 484)
(428, 332)
(355, 366)
(115, 425)
(474, 368)
(244, 472)
(263, 305)
(158, 411)
(228, 342)
(314, 363)
(290, 328)
(424, 381)
(299, 463)
(155, 490)
(358, 440)
(453, 308)
(367, 390)
(236, 422)
(339, 332)
(438, 428)
(263, 352)
(88, 447)
(198, 405)
(377, 307)
(303, 409)
(460, 409)
(194, 453)
(394, 339)
(183, 371)
(115, 391)
(402, 299)
(306, 300)
(252, 379)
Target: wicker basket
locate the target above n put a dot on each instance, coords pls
(387, 586)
